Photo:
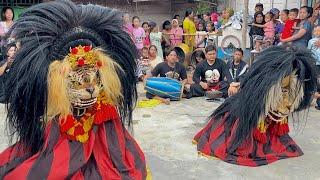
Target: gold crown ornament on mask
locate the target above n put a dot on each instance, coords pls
(83, 56)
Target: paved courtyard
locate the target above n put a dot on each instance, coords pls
(165, 133)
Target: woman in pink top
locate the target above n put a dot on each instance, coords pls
(176, 33)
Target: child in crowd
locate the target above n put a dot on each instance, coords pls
(144, 66)
(146, 41)
(290, 24)
(138, 33)
(156, 38)
(200, 37)
(269, 32)
(211, 38)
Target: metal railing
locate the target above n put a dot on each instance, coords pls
(19, 2)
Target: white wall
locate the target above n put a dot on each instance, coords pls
(238, 5)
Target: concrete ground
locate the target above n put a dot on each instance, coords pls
(165, 133)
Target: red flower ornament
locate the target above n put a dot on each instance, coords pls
(81, 62)
(74, 51)
(87, 48)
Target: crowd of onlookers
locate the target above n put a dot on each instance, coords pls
(211, 76)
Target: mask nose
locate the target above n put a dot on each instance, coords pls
(90, 90)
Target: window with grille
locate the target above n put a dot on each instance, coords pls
(19, 2)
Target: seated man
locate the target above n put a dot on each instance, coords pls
(237, 68)
(170, 69)
(208, 76)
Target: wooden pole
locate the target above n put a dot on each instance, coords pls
(304, 3)
(245, 24)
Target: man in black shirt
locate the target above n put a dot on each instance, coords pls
(236, 69)
(171, 68)
(208, 76)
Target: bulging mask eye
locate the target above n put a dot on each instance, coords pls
(86, 79)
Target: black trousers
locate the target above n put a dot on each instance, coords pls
(197, 91)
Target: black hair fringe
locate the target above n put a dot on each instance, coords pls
(271, 65)
(39, 29)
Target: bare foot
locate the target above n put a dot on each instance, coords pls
(166, 101)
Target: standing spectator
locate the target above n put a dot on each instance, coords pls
(177, 17)
(8, 60)
(7, 17)
(237, 68)
(189, 28)
(226, 14)
(7, 20)
(315, 49)
(146, 41)
(196, 20)
(302, 36)
(277, 25)
(166, 32)
(276, 13)
(257, 33)
(201, 36)
(207, 19)
(258, 8)
(315, 18)
(211, 37)
(215, 20)
(127, 24)
(138, 33)
(290, 24)
(316, 52)
(284, 16)
(5, 67)
(154, 59)
(208, 75)
(176, 33)
(257, 30)
(156, 38)
(269, 32)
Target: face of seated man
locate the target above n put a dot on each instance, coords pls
(172, 58)
(237, 56)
